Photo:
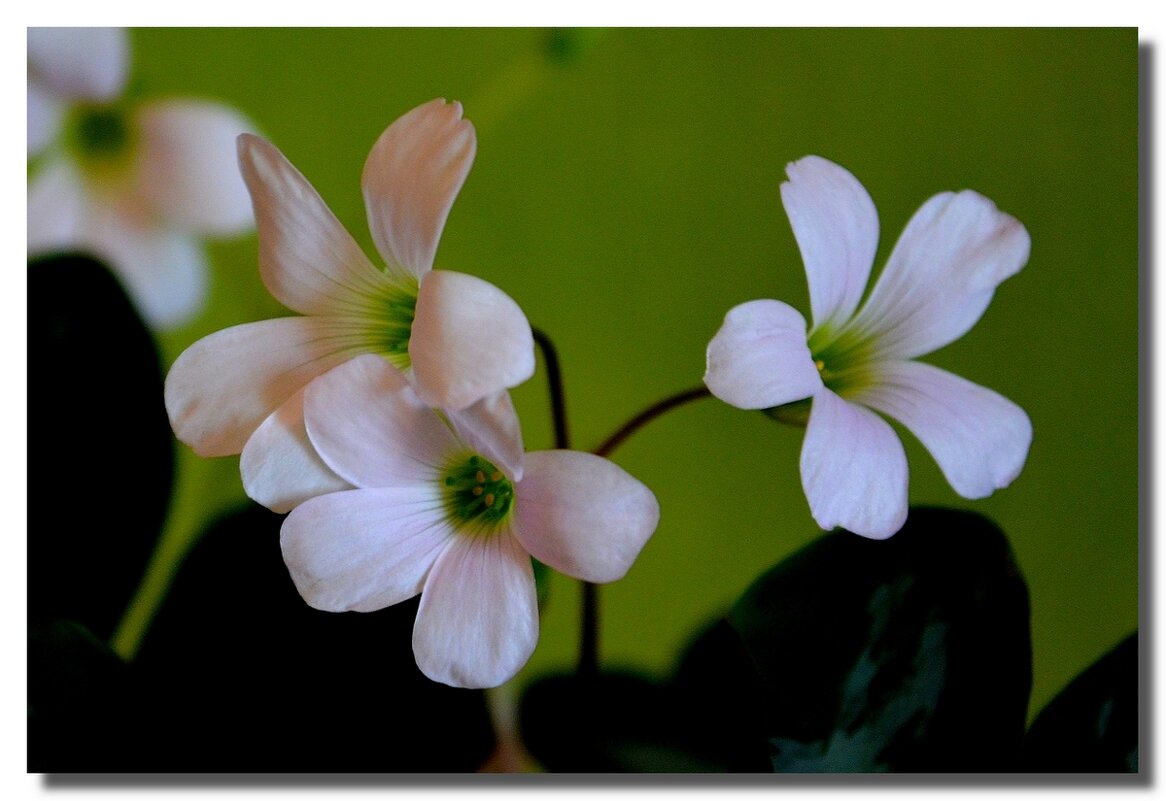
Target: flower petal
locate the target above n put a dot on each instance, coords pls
(759, 358)
(411, 179)
(164, 270)
(582, 514)
(225, 385)
(56, 208)
(45, 113)
(979, 438)
(854, 469)
(365, 549)
(280, 468)
(491, 428)
(469, 340)
(837, 229)
(942, 274)
(188, 165)
(80, 63)
(308, 261)
(478, 620)
(369, 427)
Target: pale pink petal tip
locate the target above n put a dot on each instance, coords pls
(759, 358)
(583, 515)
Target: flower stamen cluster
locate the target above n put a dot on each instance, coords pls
(477, 491)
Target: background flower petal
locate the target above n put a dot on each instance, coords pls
(979, 438)
(44, 117)
(307, 260)
(410, 180)
(759, 357)
(942, 274)
(80, 63)
(164, 269)
(369, 426)
(56, 208)
(477, 624)
(279, 466)
(224, 386)
(837, 229)
(582, 514)
(365, 549)
(469, 340)
(854, 469)
(188, 166)
(491, 428)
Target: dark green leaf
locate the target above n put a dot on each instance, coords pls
(249, 678)
(910, 654)
(613, 722)
(84, 712)
(1091, 726)
(100, 455)
(702, 719)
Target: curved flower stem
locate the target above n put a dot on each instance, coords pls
(588, 667)
(648, 415)
(589, 634)
(555, 384)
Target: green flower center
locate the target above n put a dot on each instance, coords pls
(476, 492)
(397, 306)
(842, 359)
(99, 134)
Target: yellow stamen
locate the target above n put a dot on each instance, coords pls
(497, 474)
(477, 490)
(490, 499)
(821, 365)
(481, 477)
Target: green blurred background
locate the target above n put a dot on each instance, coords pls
(625, 193)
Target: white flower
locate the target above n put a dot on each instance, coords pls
(937, 283)
(135, 184)
(459, 338)
(452, 512)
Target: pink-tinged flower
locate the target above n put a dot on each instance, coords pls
(137, 184)
(938, 281)
(450, 509)
(460, 339)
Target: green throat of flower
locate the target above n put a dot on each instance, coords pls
(396, 307)
(99, 136)
(476, 492)
(842, 359)
(843, 362)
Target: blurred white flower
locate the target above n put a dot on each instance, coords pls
(136, 184)
(459, 339)
(450, 510)
(938, 281)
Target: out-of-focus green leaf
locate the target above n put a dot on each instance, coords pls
(84, 712)
(100, 457)
(611, 723)
(703, 718)
(910, 654)
(1091, 726)
(249, 678)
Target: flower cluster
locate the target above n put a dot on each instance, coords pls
(380, 416)
(137, 184)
